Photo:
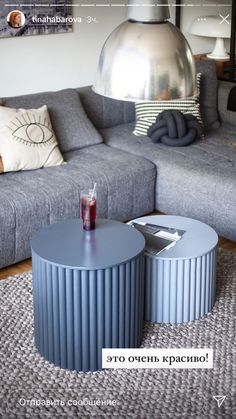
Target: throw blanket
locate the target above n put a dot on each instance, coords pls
(175, 129)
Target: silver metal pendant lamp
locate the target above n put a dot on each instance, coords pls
(146, 57)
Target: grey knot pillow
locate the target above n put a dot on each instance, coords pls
(175, 129)
(146, 112)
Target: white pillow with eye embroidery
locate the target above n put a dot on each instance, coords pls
(27, 140)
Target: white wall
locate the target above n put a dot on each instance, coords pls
(51, 62)
(201, 44)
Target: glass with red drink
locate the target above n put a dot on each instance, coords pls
(88, 208)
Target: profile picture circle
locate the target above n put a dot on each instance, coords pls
(16, 19)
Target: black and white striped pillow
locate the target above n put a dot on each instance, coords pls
(146, 112)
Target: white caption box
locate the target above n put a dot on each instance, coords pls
(157, 358)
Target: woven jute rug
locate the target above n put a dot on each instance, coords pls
(31, 387)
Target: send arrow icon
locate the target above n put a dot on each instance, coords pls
(219, 399)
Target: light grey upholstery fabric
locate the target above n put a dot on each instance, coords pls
(31, 200)
(198, 181)
(223, 95)
(105, 112)
(133, 175)
(72, 127)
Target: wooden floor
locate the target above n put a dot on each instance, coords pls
(227, 244)
(16, 269)
(26, 264)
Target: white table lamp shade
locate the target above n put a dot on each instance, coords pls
(213, 27)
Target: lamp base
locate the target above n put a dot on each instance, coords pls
(215, 57)
(219, 52)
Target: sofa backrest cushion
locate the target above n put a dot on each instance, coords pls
(70, 123)
(208, 93)
(105, 112)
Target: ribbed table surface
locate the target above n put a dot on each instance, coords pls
(68, 245)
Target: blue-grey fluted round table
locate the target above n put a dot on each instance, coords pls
(180, 282)
(87, 291)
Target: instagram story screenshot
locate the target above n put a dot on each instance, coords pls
(118, 209)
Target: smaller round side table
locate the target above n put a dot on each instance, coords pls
(180, 282)
(87, 291)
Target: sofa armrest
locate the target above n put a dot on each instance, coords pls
(223, 95)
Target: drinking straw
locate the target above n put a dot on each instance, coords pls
(93, 191)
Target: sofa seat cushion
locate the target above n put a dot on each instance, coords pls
(72, 127)
(197, 181)
(33, 199)
(121, 176)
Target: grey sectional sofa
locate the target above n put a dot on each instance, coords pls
(30, 200)
(134, 177)
(199, 180)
